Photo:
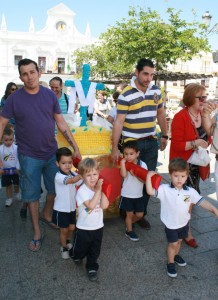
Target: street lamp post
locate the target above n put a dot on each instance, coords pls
(206, 18)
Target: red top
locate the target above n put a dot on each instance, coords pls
(182, 131)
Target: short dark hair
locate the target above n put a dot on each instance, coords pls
(178, 164)
(115, 96)
(56, 78)
(144, 62)
(64, 151)
(131, 145)
(8, 131)
(25, 62)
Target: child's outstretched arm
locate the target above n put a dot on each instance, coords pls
(104, 201)
(149, 188)
(72, 180)
(208, 206)
(91, 204)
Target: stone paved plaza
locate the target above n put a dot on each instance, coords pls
(127, 271)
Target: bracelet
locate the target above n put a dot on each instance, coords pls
(165, 137)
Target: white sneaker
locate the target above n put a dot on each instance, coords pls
(69, 246)
(8, 202)
(18, 196)
(64, 253)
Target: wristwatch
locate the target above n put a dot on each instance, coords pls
(165, 137)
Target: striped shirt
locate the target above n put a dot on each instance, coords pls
(140, 110)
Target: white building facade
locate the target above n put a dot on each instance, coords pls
(201, 64)
(50, 47)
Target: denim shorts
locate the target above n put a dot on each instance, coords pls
(31, 171)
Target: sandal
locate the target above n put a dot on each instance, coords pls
(35, 245)
(191, 243)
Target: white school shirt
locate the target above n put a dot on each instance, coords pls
(88, 219)
(8, 156)
(175, 204)
(132, 187)
(65, 193)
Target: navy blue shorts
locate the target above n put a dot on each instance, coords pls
(8, 180)
(63, 219)
(132, 204)
(173, 235)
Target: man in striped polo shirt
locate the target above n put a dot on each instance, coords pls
(139, 105)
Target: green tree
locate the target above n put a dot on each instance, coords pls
(145, 34)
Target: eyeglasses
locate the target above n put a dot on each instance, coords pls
(202, 98)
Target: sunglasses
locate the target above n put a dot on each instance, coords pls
(13, 89)
(202, 98)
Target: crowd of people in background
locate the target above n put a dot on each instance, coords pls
(29, 152)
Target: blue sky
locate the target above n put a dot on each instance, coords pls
(99, 13)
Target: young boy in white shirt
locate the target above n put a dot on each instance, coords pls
(89, 227)
(176, 199)
(9, 166)
(64, 210)
(131, 199)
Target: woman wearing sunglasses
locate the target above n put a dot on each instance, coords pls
(187, 134)
(11, 87)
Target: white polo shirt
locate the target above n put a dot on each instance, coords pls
(65, 193)
(132, 187)
(175, 204)
(88, 219)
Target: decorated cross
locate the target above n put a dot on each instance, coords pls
(85, 91)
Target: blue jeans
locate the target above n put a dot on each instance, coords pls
(30, 176)
(149, 154)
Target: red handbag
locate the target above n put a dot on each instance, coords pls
(204, 172)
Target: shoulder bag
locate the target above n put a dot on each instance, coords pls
(204, 170)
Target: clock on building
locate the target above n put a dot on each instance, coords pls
(61, 26)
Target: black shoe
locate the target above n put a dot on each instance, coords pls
(171, 270)
(23, 213)
(180, 261)
(92, 275)
(144, 224)
(132, 236)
